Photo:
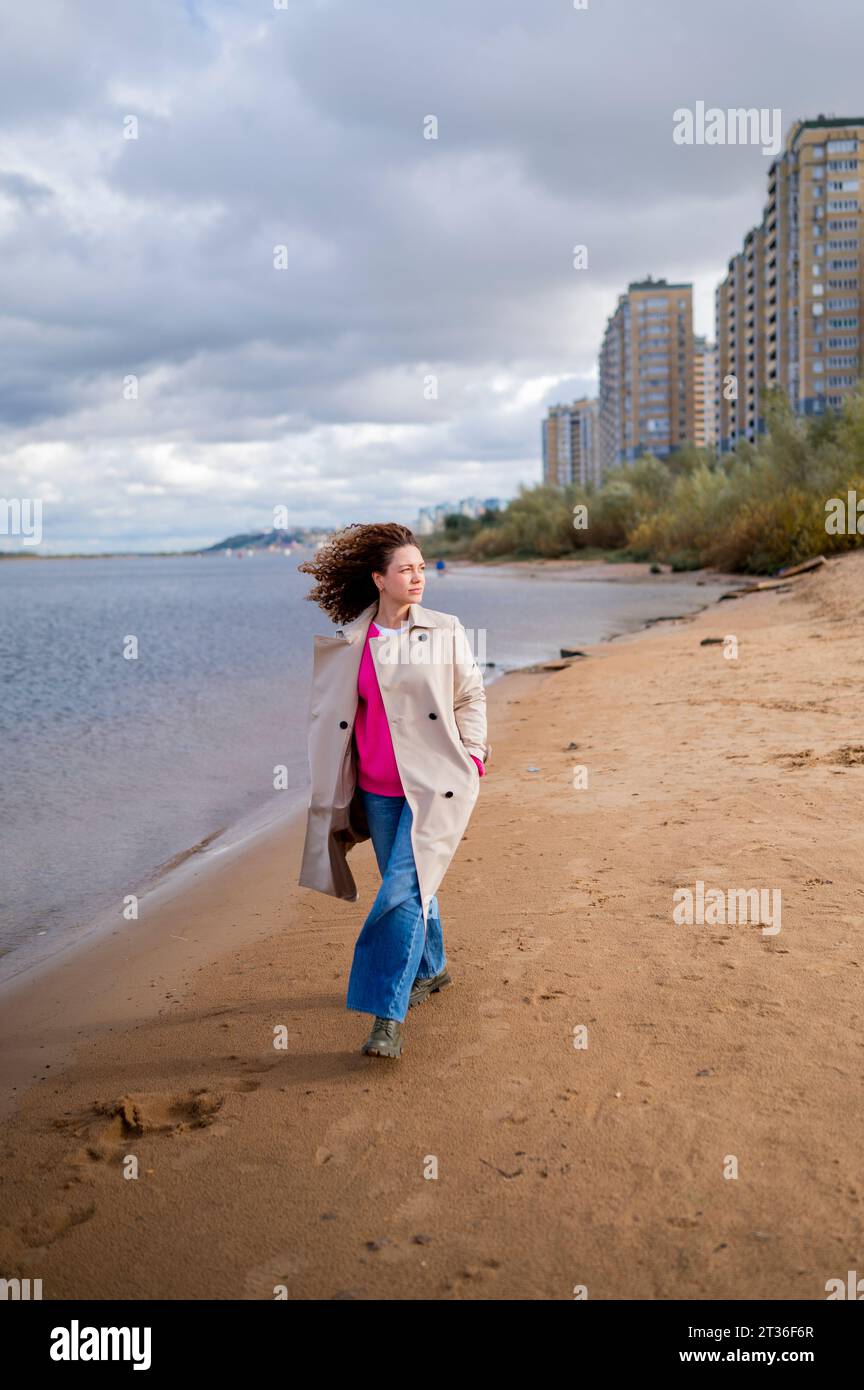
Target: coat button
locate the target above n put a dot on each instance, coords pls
(343, 723)
(448, 793)
(422, 636)
(433, 716)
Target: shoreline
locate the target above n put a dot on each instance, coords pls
(25, 962)
(38, 1033)
(188, 872)
(173, 877)
(162, 1045)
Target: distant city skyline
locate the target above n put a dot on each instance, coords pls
(788, 315)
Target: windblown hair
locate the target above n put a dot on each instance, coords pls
(343, 567)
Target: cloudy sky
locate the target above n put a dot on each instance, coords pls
(305, 384)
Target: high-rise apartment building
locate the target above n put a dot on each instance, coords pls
(646, 402)
(789, 310)
(570, 444)
(742, 342)
(704, 392)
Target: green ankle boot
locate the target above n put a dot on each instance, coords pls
(385, 1040)
(423, 988)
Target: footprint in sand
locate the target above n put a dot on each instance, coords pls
(109, 1126)
(56, 1216)
(103, 1136)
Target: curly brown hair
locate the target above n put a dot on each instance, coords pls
(343, 566)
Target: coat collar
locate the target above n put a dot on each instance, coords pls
(418, 616)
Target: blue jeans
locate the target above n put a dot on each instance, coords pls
(391, 950)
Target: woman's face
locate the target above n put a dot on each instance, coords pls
(405, 576)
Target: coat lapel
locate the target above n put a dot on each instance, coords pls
(418, 616)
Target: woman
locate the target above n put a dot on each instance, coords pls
(397, 747)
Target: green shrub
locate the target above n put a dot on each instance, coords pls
(753, 511)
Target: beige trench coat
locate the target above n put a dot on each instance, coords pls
(435, 702)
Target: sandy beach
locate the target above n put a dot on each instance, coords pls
(497, 1159)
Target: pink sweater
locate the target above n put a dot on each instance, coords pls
(376, 762)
